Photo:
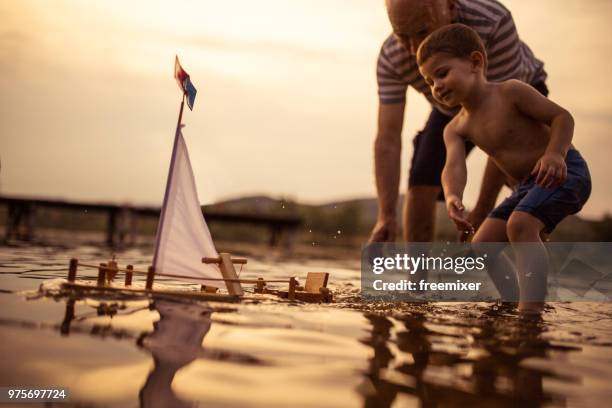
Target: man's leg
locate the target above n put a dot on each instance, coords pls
(424, 185)
(419, 213)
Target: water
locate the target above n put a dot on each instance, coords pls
(133, 351)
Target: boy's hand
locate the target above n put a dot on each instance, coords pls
(551, 170)
(456, 212)
(475, 218)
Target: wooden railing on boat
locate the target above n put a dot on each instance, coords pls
(314, 290)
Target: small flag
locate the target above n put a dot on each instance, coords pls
(184, 82)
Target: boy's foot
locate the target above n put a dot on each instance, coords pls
(531, 308)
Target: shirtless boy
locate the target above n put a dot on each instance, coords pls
(526, 135)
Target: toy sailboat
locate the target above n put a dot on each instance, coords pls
(184, 249)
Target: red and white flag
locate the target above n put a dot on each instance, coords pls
(184, 82)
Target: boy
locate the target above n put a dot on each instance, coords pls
(526, 135)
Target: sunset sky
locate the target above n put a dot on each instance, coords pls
(286, 101)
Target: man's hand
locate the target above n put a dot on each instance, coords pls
(456, 212)
(385, 230)
(551, 170)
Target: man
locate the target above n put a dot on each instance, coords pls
(509, 57)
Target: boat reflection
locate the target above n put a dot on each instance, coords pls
(176, 341)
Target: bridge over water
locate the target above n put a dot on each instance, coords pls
(21, 221)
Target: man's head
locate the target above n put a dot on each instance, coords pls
(413, 20)
(450, 59)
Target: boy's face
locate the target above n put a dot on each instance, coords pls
(450, 78)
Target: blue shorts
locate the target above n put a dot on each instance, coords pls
(550, 205)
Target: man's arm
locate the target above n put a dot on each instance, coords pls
(550, 169)
(454, 177)
(387, 159)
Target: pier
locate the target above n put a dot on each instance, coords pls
(121, 219)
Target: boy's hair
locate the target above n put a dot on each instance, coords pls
(457, 40)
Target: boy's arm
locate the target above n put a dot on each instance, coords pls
(550, 169)
(454, 177)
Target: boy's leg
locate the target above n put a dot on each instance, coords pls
(540, 210)
(492, 230)
(524, 232)
(499, 267)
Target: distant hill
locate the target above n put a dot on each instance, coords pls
(357, 216)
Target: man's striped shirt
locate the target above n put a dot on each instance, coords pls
(508, 56)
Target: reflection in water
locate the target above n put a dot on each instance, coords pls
(176, 342)
(414, 355)
(443, 361)
(68, 317)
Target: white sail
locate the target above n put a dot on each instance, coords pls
(183, 237)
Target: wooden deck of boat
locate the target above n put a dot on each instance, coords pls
(206, 296)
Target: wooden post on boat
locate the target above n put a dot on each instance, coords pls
(292, 285)
(227, 270)
(226, 265)
(150, 277)
(128, 275)
(101, 274)
(111, 270)
(72, 269)
(260, 285)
